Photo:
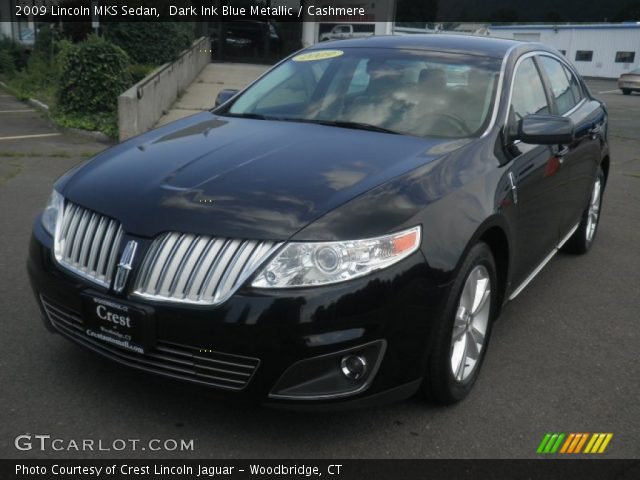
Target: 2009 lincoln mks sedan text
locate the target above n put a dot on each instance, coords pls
(345, 229)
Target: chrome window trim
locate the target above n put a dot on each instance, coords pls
(497, 103)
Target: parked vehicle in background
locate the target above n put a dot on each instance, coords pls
(630, 82)
(247, 38)
(345, 31)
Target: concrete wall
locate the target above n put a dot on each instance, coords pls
(603, 40)
(140, 107)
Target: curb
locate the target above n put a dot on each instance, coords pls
(99, 136)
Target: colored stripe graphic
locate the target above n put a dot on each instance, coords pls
(598, 442)
(573, 443)
(581, 442)
(550, 443)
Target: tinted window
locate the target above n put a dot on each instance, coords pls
(625, 57)
(559, 83)
(528, 93)
(584, 55)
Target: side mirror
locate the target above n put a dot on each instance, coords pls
(546, 130)
(225, 95)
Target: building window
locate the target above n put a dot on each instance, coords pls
(563, 52)
(625, 57)
(584, 55)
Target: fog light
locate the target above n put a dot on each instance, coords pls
(332, 375)
(353, 366)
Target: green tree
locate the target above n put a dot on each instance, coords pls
(152, 43)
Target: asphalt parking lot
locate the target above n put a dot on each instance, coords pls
(563, 358)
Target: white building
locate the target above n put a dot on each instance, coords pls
(599, 50)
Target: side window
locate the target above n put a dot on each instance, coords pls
(528, 93)
(559, 82)
(575, 85)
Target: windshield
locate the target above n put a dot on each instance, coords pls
(413, 92)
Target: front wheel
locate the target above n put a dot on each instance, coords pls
(626, 91)
(462, 335)
(582, 240)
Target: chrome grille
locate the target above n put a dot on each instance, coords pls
(87, 243)
(204, 366)
(198, 269)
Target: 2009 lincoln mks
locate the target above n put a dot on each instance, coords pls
(345, 229)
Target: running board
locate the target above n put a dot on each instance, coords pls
(546, 260)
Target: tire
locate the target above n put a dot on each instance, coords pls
(451, 371)
(582, 239)
(626, 91)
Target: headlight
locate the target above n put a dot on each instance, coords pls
(52, 212)
(302, 264)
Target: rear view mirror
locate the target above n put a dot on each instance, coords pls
(546, 130)
(225, 95)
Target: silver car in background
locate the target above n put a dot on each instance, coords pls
(629, 82)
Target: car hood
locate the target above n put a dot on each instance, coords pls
(240, 178)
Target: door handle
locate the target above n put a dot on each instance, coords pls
(562, 151)
(595, 131)
(513, 187)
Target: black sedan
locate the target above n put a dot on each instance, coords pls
(344, 230)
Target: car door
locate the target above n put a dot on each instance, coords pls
(534, 173)
(580, 158)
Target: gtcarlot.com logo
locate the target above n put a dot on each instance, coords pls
(573, 443)
(45, 443)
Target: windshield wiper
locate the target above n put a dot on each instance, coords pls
(256, 116)
(346, 124)
(331, 123)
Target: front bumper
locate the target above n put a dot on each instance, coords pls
(245, 345)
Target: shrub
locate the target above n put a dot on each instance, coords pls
(13, 56)
(6, 62)
(152, 43)
(92, 76)
(138, 72)
(106, 123)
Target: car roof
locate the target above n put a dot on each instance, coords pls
(469, 44)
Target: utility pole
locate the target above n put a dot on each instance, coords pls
(95, 19)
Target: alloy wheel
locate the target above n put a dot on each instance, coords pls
(470, 323)
(593, 213)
